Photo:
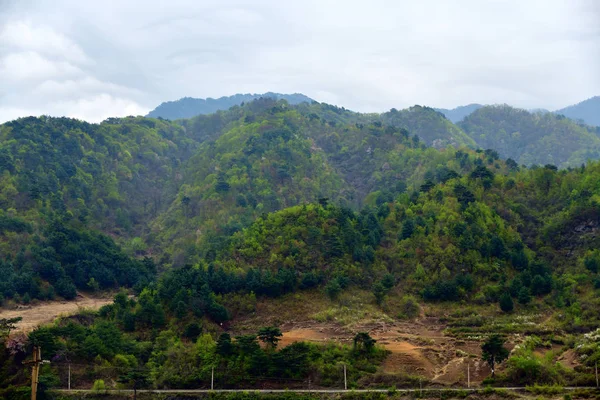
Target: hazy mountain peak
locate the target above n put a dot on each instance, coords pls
(587, 111)
(188, 107)
(458, 113)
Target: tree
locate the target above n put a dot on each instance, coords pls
(333, 289)
(192, 331)
(7, 325)
(524, 296)
(270, 336)
(136, 378)
(494, 352)
(506, 303)
(540, 286)
(408, 228)
(224, 346)
(222, 186)
(388, 281)
(379, 291)
(363, 342)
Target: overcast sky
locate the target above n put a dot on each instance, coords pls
(94, 59)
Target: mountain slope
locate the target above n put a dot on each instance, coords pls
(460, 112)
(189, 107)
(532, 138)
(587, 111)
(278, 215)
(430, 125)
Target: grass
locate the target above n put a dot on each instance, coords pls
(351, 308)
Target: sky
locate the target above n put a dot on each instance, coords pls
(97, 59)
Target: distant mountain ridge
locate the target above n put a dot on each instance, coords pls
(460, 112)
(587, 111)
(189, 107)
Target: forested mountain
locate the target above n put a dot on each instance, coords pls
(189, 107)
(430, 125)
(587, 111)
(532, 138)
(199, 218)
(459, 113)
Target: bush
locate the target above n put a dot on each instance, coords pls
(545, 390)
(409, 308)
(527, 369)
(99, 387)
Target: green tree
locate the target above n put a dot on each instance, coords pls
(379, 291)
(524, 296)
(364, 343)
(506, 303)
(408, 228)
(270, 336)
(494, 352)
(137, 379)
(224, 346)
(333, 289)
(7, 325)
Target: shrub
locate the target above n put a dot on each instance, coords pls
(99, 387)
(409, 308)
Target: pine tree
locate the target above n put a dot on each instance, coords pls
(524, 296)
(506, 303)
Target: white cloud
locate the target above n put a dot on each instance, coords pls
(41, 39)
(126, 57)
(30, 66)
(100, 107)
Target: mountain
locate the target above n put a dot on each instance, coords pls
(276, 155)
(311, 218)
(532, 138)
(459, 113)
(587, 111)
(430, 125)
(189, 107)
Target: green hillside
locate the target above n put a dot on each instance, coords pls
(430, 125)
(269, 214)
(532, 138)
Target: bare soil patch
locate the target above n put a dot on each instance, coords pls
(45, 312)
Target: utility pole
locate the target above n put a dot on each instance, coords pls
(35, 370)
(212, 379)
(345, 380)
(469, 374)
(69, 381)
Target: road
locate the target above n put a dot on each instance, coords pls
(332, 391)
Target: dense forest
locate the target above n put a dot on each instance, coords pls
(197, 219)
(533, 138)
